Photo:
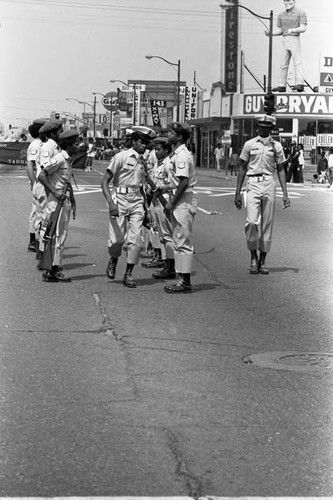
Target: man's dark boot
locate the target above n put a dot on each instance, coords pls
(111, 269)
(168, 272)
(261, 266)
(128, 280)
(55, 276)
(254, 262)
(183, 284)
(32, 244)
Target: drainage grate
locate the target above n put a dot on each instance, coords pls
(303, 362)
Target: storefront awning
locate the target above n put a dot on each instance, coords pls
(211, 122)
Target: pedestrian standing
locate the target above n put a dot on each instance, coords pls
(301, 163)
(33, 169)
(55, 176)
(330, 168)
(127, 203)
(322, 164)
(233, 163)
(49, 134)
(165, 183)
(219, 157)
(91, 153)
(259, 159)
(182, 206)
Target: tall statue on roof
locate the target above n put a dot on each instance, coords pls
(290, 24)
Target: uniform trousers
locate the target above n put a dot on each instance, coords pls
(40, 202)
(164, 228)
(62, 227)
(291, 48)
(182, 219)
(126, 228)
(260, 205)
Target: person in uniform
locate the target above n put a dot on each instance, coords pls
(165, 183)
(290, 24)
(182, 206)
(38, 192)
(49, 133)
(259, 159)
(127, 203)
(55, 175)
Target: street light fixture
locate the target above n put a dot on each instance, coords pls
(149, 56)
(227, 4)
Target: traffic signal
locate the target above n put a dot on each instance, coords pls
(57, 116)
(269, 103)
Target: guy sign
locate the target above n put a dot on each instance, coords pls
(108, 101)
(291, 104)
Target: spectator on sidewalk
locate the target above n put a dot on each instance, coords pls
(219, 157)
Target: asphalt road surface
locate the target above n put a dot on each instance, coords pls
(109, 391)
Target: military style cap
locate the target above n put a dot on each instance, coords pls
(51, 126)
(265, 121)
(39, 121)
(181, 128)
(129, 132)
(145, 133)
(66, 134)
(163, 141)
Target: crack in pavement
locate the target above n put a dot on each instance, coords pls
(193, 483)
(107, 327)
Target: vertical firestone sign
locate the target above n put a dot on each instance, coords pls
(231, 48)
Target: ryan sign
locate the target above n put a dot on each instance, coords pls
(291, 104)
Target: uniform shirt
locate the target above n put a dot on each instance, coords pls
(126, 169)
(48, 150)
(262, 155)
(33, 153)
(293, 20)
(59, 170)
(183, 166)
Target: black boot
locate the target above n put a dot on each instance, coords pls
(183, 284)
(55, 276)
(168, 272)
(32, 243)
(254, 262)
(128, 280)
(111, 269)
(261, 266)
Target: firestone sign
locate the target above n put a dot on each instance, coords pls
(291, 104)
(231, 48)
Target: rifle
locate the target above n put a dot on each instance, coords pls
(154, 187)
(49, 236)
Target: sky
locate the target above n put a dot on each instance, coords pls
(52, 50)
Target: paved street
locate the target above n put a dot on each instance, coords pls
(107, 391)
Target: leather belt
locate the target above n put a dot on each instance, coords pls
(260, 177)
(126, 190)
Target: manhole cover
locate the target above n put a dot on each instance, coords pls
(303, 362)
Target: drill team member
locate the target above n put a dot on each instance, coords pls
(182, 206)
(259, 159)
(49, 134)
(55, 176)
(164, 183)
(127, 204)
(33, 169)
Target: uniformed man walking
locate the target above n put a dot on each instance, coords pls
(127, 203)
(182, 206)
(33, 169)
(258, 161)
(55, 176)
(49, 134)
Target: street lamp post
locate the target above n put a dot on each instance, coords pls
(227, 4)
(178, 78)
